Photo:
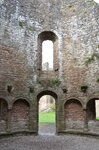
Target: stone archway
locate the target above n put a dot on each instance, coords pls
(20, 115)
(74, 115)
(49, 128)
(93, 115)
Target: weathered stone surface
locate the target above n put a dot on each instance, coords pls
(73, 26)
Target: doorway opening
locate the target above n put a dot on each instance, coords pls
(97, 109)
(93, 109)
(47, 115)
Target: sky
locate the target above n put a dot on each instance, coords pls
(47, 53)
(97, 1)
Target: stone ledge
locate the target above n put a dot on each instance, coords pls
(26, 133)
(79, 133)
(19, 133)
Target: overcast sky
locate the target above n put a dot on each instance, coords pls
(97, 1)
(47, 53)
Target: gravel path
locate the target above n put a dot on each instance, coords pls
(41, 142)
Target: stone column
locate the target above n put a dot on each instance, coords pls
(33, 120)
(60, 117)
(85, 120)
(9, 120)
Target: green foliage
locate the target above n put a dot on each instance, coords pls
(47, 117)
(93, 3)
(30, 28)
(53, 107)
(21, 24)
(52, 81)
(39, 80)
(55, 81)
(97, 118)
(97, 79)
(85, 11)
(92, 58)
(70, 5)
(89, 60)
(98, 46)
(96, 55)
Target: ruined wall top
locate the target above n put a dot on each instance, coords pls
(74, 22)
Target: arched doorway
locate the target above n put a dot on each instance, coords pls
(93, 115)
(47, 116)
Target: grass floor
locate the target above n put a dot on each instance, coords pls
(48, 117)
(97, 118)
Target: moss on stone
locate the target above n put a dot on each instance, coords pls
(21, 24)
(70, 5)
(92, 58)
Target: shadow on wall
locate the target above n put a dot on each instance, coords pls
(3, 115)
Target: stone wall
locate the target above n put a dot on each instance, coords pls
(20, 116)
(74, 115)
(3, 116)
(73, 27)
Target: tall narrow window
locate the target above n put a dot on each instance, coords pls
(47, 52)
(47, 55)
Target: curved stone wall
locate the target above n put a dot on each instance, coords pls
(73, 27)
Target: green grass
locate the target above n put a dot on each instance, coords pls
(48, 117)
(97, 118)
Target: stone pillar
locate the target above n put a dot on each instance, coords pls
(9, 120)
(85, 120)
(60, 117)
(33, 120)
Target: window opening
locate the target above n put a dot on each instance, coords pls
(47, 55)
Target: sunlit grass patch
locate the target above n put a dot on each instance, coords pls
(47, 117)
(97, 118)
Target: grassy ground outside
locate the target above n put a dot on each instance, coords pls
(47, 117)
(97, 118)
